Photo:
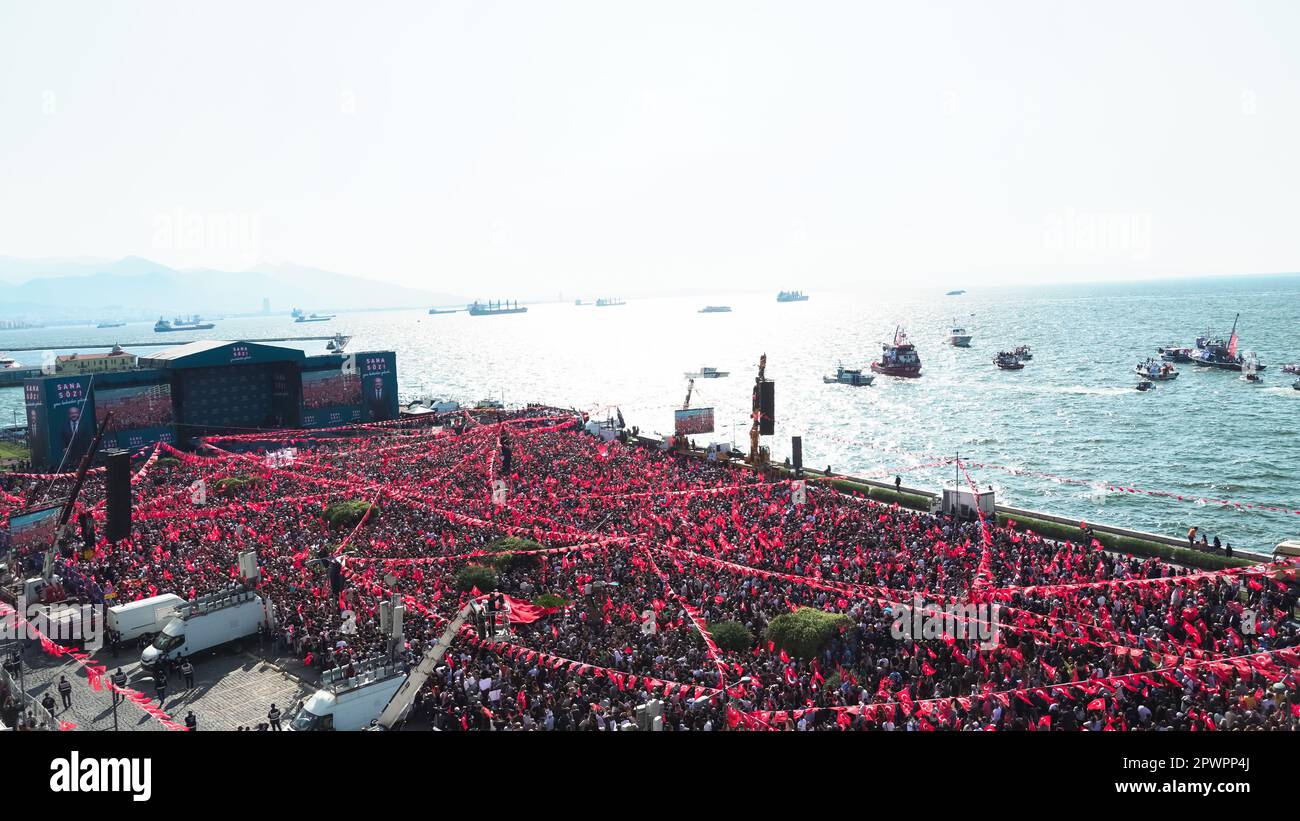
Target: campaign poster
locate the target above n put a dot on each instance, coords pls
(70, 416)
(692, 421)
(37, 424)
(378, 373)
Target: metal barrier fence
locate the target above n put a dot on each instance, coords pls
(32, 715)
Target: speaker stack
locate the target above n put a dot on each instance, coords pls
(118, 503)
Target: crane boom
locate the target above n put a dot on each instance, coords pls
(690, 386)
(401, 702)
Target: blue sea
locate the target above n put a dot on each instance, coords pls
(1072, 412)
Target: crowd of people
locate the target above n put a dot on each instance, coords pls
(635, 555)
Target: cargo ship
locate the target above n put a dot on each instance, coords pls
(194, 323)
(716, 309)
(792, 296)
(477, 308)
(609, 303)
(313, 318)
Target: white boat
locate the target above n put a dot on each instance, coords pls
(705, 372)
(1156, 371)
(959, 338)
(849, 376)
(8, 362)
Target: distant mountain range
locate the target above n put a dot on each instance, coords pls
(134, 288)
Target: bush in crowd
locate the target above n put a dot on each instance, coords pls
(804, 632)
(476, 575)
(512, 553)
(732, 635)
(347, 513)
(550, 601)
(230, 484)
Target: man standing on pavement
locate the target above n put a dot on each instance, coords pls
(191, 723)
(119, 681)
(187, 670)
(65, 692)
(274, 717)
(160, 686)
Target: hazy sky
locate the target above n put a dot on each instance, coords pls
(533, 147)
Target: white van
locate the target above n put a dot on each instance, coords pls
(349, 702)
(207, 623)
(144, 617)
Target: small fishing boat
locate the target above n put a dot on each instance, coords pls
(716, 309)
(849, 376)
(1294, 368)
(1216, 353)
(1023, 353)
(959, 338)
(1146, 385)
(706, 372)
(1008, 361)
(898, 359)
(1156, 371)
(1175, 353)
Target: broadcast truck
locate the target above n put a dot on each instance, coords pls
(207, 623)
(350, 702)
(145, 617)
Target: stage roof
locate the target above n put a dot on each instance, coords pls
(216, 352)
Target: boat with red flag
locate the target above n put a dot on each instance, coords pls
(1216, 353)
(898, 359)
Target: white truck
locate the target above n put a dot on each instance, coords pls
(145, 617)
(349, 702)
(207, 623)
